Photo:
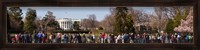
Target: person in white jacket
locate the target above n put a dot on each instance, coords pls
(118, 38)
(62, 38)
(93, 38)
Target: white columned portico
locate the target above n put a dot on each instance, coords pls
(66, 23)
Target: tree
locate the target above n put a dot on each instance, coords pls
(84, 24)
(29, 25)
(76, 25)
(38, 24)
(169, 26)
(186, 24)
(161, 18)
(49, 22)
(181, 13)
(108, 23)
(141, 18)
(124, 22)
(89, 23)
(100, 28)
(15, 19)
(92, 19)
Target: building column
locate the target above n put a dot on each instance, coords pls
(67, 25)
(62, 24)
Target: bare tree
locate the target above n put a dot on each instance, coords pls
(108, 23)
(92, 21)
(89, 23)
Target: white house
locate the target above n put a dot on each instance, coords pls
(67, 23)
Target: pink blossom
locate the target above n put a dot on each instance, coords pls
(186, 25)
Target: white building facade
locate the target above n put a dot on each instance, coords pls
(67, 23)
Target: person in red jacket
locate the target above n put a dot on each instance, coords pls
(102, 37)
(13, 40)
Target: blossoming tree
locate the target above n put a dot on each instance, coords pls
(186, 24)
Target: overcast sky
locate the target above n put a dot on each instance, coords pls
(79, 12)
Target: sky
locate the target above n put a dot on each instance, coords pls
(78, 12)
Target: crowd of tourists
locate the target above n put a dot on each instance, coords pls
(101, 38)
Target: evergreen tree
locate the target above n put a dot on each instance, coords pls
(169, 26)
(76, 26)
(49, 22)
(15, 19)
(29, 25)
(124, 22)
(176, 21)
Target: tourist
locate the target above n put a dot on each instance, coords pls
(108, 37)
(155, 38)
(74, 38)
(179, 38)
(122, 38)
(89, 38)
(20, 38)
(29, 38)
(71, 38)
(166, 38)
(112, 38)
(25, 37)
(137, 38)
(79, 38)
(190, 38)
(131, 37)
(44, 38)
(126, 38)
(187, 38)
(183, 38)
(93, 38)
(143, 38)
(64, 38)
(118, 38)
(35, 38)
(172, 39)
(102, 37)
(84, 38)
(159, 38)
(99, 38)
(39, 35)
(150, 38)
(105, 39)
(13, 40)
(115, 38)
(147, 38)
(58, 37)
(50, 40)
(17, 38)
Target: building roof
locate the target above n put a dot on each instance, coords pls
(68, 19)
